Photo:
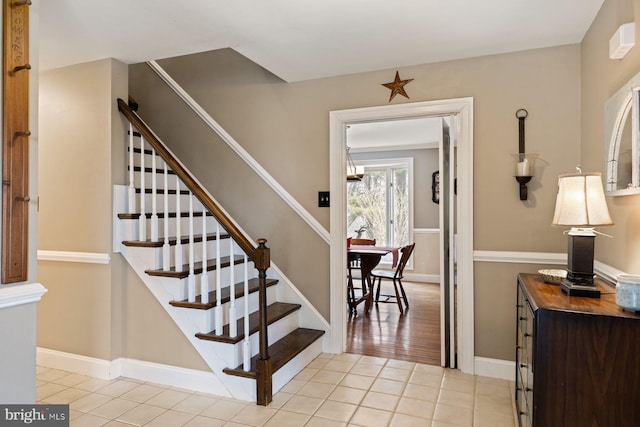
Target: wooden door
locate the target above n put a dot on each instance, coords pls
(15, 143)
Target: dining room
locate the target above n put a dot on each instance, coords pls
(393, 213)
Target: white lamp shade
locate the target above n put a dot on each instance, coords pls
(581, 201)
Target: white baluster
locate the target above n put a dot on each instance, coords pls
(246, 352)
(178, 249)
(233, 325)
(142, 222)
(132, 184)
(192, 277)
(166, 248)
(154, 198)
(204, 278)
(218, 286)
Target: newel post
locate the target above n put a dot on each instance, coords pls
(264, 371)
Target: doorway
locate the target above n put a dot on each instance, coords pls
(462, 109)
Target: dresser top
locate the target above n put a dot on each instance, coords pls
(547, 296)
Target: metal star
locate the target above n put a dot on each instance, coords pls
(397, 87)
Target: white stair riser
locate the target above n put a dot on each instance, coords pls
(184, 226)
(146, 257)
(297, 364)
(171, 200)
(148, 179)
(232, 354)
(155, 255)
(204, 320)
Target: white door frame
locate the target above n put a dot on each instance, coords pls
(463, 108)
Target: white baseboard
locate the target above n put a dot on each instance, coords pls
(495, 368)
(189, 379)
(174, 376)
(76, 363)
(423, 278)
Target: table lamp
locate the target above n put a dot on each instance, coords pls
(581, 204)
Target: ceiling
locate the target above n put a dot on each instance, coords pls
(405, 134)
(300, 40)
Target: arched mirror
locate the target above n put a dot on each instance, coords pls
(622, 163)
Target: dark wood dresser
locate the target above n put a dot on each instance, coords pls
(577, 359)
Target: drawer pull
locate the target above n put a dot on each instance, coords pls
(523, 365)
(522, 318)
(527, 335)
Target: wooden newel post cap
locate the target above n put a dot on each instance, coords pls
(262, 257)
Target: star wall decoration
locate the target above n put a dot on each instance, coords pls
(397, 87)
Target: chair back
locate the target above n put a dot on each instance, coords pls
(405, 254)
(363, 242)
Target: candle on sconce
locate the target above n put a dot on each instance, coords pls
(522, 168)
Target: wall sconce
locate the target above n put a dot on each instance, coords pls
(622, 41)
(524, 161)
(581, 204)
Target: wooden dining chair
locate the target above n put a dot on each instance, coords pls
(354, 264)
(396, 277)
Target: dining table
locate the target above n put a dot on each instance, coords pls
(369, 257)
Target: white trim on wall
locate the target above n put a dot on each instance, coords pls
(67, 256)
(241, 152)
(495, 368)
(14, 295)
(603, 270)
(175, 376)
(520, 257)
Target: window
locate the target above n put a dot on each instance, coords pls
(380, 206)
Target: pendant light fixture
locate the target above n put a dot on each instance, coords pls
(354, 173)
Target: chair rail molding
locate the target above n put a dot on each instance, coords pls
(14, 295)
(520, 257)
(605, 271)
(67, 256)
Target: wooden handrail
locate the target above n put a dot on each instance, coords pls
(189, 181)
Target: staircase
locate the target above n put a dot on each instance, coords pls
(197, 263)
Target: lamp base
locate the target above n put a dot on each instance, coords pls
(579, 290)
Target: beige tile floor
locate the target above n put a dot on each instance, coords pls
(333, 390)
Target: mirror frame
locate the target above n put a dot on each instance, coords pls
(624, 103)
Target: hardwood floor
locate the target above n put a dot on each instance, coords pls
(384, 332)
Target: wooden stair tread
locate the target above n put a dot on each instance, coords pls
(275, 312)
(162, 191)
(197, 267)
(160, 215)
(225, 295)
(281, 351)
(172, 241)
(149, 170)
